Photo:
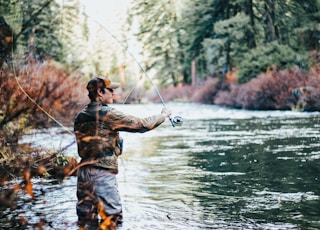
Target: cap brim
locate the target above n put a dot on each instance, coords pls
(113, 85)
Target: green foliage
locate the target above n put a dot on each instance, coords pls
(195, 24)
(11, 10)
(73, 33)
(45, 29)
(219, 35)
(273, 54)
(229, 45)
(61, 160)
(160, 37)
(39, 34)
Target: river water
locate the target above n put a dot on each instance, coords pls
(222, 169)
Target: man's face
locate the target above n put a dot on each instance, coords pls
(107, 96)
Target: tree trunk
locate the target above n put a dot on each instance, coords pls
(6, 40)
(251, 33)
(193, 73)
(270, 20)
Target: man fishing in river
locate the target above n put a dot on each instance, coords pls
(97, 129)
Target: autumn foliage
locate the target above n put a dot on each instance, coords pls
(34, 95)
(177, 93)
(51, 87)
(289, 89)
(274, 90)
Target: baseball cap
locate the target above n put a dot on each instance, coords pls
(98, 83)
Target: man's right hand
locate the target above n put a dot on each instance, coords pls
(166, 112)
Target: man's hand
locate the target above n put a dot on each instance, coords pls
(166, 112)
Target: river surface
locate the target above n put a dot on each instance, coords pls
(222, 169)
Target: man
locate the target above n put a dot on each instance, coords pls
(97, 129)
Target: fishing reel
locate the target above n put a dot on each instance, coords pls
(176, 121)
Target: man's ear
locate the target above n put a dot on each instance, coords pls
(99, 92)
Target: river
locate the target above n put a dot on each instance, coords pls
(222, 169)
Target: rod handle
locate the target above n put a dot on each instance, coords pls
(172, 123)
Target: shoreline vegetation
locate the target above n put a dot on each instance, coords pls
(287, 89)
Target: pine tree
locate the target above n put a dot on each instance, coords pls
(38, 36)
(160, 37)
(73, 33)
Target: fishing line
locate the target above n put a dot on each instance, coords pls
(32, 100)
(133, 57)
(42, 109)
(129, 94)
(176, 120)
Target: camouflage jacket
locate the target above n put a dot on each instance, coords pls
(97, 129)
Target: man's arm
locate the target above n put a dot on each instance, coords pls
(121, 122)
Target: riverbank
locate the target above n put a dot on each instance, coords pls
(20, 167)
(51, 164)
(289, 89)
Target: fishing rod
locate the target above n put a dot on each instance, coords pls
(177, 120)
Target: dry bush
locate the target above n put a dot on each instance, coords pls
(208, 90)
(52, 88)
(57, 93)
(178, 93)
(55, 90)
(228, 97)
(313, 83)
(270, 91)
(273, 90)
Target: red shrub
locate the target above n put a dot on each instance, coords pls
(51, 88)
(206, 92)
(178, 93)
(274, 91)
